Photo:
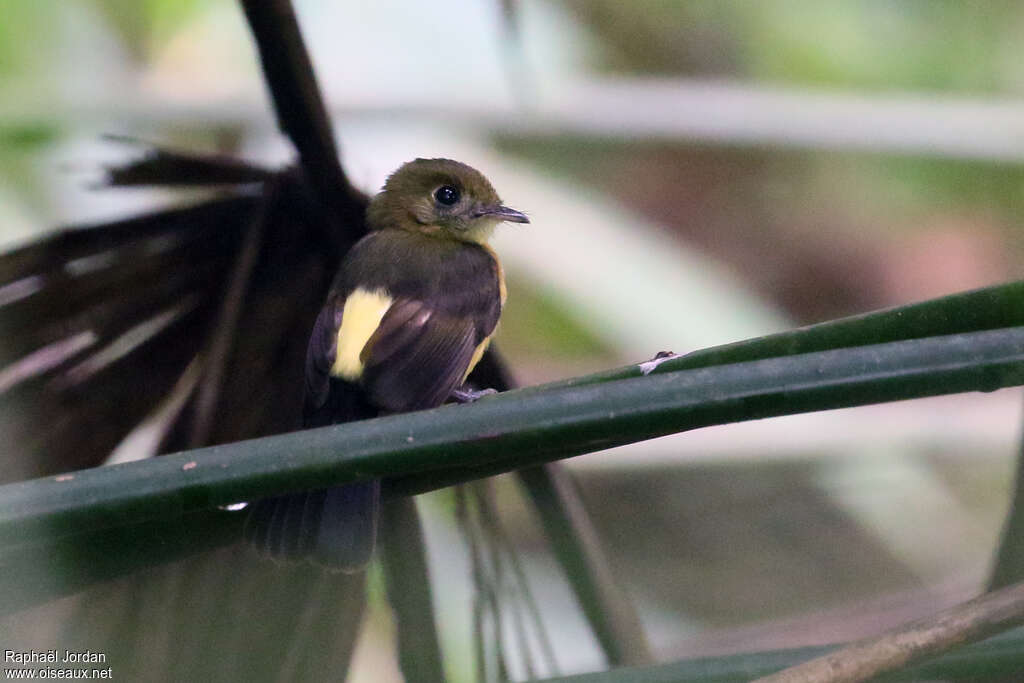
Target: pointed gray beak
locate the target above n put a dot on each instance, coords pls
(503, 213)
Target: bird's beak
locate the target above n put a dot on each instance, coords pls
(503, 213)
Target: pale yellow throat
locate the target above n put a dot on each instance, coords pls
(359, 320)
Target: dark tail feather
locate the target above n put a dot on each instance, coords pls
(334, 528)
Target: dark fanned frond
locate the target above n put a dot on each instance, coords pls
(261, 389)
(97, 324)
(250, 323)
(175, 168)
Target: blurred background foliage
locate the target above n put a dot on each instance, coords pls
(784, 532)
(916, 45)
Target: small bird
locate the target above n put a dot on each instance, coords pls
(410, 313)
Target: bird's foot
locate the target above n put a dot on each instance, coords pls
(648, 367)
(464, 395)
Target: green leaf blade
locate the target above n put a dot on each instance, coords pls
(427, 450)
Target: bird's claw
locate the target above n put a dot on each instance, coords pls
(470, 395)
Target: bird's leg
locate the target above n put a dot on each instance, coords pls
(466, 394)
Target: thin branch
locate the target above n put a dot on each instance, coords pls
(900, 647)
(998, 658)
(1008, 566)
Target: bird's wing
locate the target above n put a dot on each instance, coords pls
(417, 356)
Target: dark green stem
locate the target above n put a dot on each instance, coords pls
(503, 433)
(404, 556)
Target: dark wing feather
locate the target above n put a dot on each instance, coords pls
(319, 359)
(417, 356)
(400, 326)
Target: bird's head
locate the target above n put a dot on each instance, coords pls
(441, 197)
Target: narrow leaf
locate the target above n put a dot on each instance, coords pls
(1008, 565)
(989, 308)
(404, 556)
(574, 542)
(507, 432)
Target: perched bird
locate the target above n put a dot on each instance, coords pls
(410, 313)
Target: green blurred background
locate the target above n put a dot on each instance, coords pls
(696, 173)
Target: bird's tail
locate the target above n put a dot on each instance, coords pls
(335, 528)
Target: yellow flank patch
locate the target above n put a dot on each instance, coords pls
(477, 355)
(359, 320)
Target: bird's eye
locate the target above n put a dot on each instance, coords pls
(447, 195)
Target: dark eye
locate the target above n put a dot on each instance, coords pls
(447, 195)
